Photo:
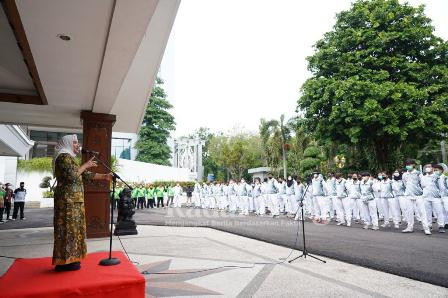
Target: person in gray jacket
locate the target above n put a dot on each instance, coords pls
(369, 208)
(415, 204)
(432, 197)
(389, 202)
(443, 187)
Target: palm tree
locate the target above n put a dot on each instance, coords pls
(274, 137)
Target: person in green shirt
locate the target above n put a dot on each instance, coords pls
(159, 194)
(140, 197)
(170, 194)
(149, 193)
(134, 194)
(118, 190)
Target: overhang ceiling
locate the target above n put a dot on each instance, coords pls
(108, 65)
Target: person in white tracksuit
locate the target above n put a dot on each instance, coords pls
(271, 191)
(281, 194)
(289, 195)
(299, 191)
(232, 196)
(243, 203)
(433, 200)
(257, 195)
(415, 203)
(250, 198)
(377, 195)
(225, 197)
(205, 203)
(399, 191)
(197, 193)
(177, 195)
(263, 199)
(369, 208)
(354, 190)
(391, 206)
(345, 217)
(336, 203)
(443, 188)
(321, 205)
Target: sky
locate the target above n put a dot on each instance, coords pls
(229, 63)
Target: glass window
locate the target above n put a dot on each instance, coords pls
(121, 148)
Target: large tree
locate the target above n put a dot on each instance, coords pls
(236, 153)
(156, 127)
(379, 82)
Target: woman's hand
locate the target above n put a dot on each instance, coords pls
(87, 165)
(91, 163)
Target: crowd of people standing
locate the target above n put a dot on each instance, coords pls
(14, 199)
(395, 199)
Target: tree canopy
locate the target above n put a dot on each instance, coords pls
(379, 82)
(156, 128)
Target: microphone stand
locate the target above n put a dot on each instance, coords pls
(304, 250)
(111, 261)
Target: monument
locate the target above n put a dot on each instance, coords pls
(188, 155)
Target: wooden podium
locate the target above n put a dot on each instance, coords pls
(97, 136)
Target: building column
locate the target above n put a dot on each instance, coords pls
(97, 136)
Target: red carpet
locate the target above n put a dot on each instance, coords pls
(37, 278)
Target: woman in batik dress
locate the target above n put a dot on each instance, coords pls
(69, 216)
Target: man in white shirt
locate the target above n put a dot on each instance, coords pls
(19, 201)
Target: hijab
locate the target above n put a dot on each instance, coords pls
(65, 145)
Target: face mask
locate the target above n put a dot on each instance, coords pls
(380, 177)
(428, 170)
(397, 178)
(437, 173)
(409, 168)
(355, 179)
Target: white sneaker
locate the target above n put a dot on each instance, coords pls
(365, 227)
(427, 232)
(340, 223)
(408, 230)
(396, 226)
(385, 225)
(349, 224)
(375, 228)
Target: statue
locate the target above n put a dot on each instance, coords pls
(126, 209)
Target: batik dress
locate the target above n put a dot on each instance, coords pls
(69, 215)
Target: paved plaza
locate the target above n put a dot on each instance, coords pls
(187, 261)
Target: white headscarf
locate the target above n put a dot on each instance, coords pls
(65, 145)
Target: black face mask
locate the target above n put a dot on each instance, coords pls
(355, 179)
(397, 178)
(289, 183)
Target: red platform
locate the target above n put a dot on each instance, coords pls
(37, 278)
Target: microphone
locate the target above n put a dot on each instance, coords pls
(87, 151)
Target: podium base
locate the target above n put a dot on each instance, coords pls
(110, 262)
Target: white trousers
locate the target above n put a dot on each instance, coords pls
(177, 201)
(233, 203)
(244, 204)
(445, 207)
(251, 203)
(370, 212)
(315, 210)
(324, 207)
(338, 207)
(435, 206)
(274, 207)
(281, 201)
(197, 199)
(415, 206)
(380, 207)
(356, 209)
(391, 208)
(347, 204)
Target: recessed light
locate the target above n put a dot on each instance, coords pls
(64, 37)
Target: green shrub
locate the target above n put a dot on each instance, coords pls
(311, 152)
(48, 194)
(41, 164)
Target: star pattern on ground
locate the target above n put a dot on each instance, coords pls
(159, 283)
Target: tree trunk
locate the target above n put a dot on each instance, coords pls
(284, 162)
